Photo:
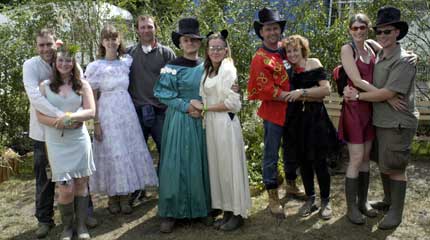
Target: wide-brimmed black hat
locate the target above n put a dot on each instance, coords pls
(391, 16)
(186, 27)
(267, 16)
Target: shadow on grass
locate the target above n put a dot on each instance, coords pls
(107, 222)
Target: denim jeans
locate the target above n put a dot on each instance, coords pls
(45, 188)
(156, 130)
(273, 135)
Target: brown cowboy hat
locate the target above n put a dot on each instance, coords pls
(391, 16)
(267, 16)
(186, 27)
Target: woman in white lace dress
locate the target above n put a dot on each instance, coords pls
(121, 156)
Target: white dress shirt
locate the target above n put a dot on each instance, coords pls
(35, 70)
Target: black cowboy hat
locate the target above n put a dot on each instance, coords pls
(186, 27)
(267, 16)
(391, 16)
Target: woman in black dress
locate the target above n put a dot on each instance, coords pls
(310, 132)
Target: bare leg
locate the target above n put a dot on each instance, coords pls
(356, 154)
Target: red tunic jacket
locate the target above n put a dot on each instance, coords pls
(267, 78)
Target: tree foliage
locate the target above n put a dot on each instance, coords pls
(80, 22)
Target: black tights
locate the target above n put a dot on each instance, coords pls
(319, 166)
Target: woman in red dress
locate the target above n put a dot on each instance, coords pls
(355, 124)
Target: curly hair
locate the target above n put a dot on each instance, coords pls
(298, 41)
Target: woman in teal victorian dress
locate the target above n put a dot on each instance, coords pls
(184, 191)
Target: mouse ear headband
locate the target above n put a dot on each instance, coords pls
(223, 33)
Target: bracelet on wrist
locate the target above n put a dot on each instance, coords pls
(67, 121)
(204, 110)
(304, 92)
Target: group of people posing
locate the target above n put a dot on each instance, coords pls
(189, 107)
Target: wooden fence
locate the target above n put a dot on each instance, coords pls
(333, 105)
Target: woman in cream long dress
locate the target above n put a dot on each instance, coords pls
(226, 153)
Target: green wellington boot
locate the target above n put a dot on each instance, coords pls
(383, 205)
(81, 204)
(363, 188)
(393, 218)
(353, 213)
(67, 213)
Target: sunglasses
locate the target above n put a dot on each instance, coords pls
(362, 28)
(385, 32)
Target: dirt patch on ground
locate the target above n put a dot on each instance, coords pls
(17, 221)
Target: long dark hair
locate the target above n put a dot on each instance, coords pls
(57, 82)
(209, 68)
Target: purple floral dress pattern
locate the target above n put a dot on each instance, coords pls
(122, 159)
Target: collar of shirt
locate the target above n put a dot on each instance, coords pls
(271, 50)
(394, 52)
(148, 48)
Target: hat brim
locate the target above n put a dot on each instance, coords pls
(176, 36)
(258, 25)
(401, 25)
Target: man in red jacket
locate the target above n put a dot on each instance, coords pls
(269, 83)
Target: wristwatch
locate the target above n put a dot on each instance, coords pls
(357, 96)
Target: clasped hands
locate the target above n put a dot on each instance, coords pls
(60, 123)
(292, 96)
(195, 108)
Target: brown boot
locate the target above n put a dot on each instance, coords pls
(292, 189)
(393, 218)
(275, 206)
(113, 204)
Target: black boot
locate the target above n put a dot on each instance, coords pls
(227, 215)
(234, 223)
(363, 188)
(81, 205)
(67, 213)
(351, 187)
(383, 205)
(393, 218)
